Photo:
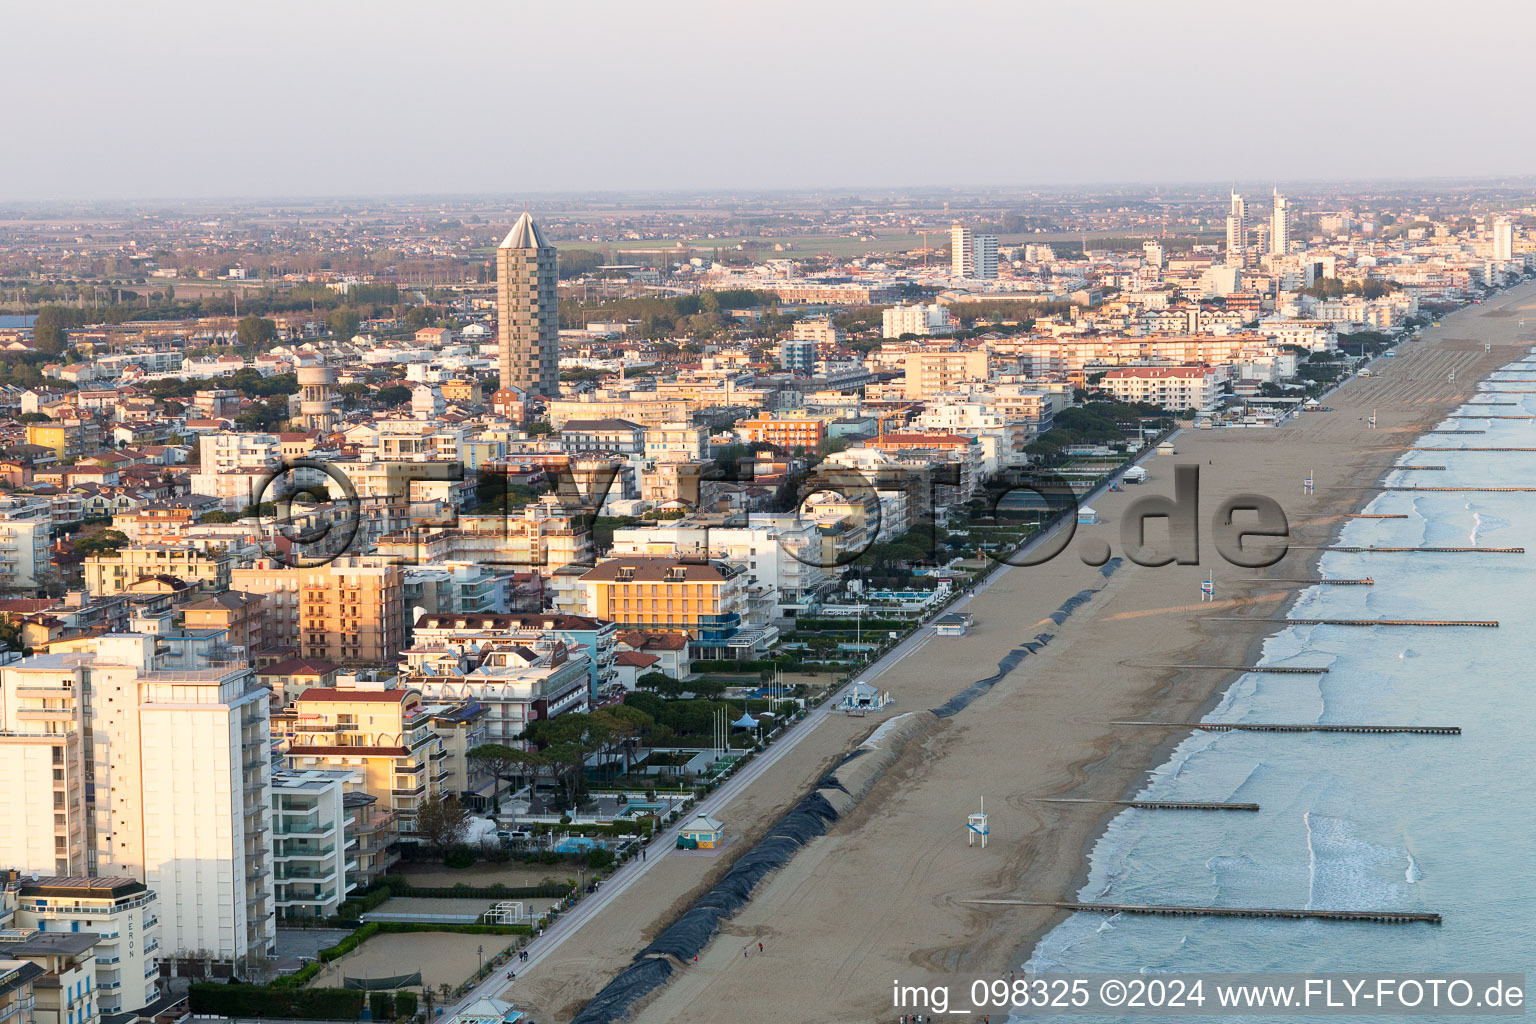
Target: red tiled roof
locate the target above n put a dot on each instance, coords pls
(636, 659)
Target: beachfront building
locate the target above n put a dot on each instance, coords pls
(706, 601)
(466, 633)
(514, 684)
(1176, 388)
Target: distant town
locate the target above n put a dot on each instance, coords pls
(345, 544)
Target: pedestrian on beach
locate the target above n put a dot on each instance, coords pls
(744, 954)
(759, 947)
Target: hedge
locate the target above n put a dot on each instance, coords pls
(504, 892)
(237, 1000)
(854, 624)
(405, 927)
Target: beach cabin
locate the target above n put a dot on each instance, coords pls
(702, 833)
(1087, 516)
(1166, 448)
(1135, 475)
(487, 1010)
(952, 624)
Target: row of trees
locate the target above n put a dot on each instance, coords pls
(564, 743)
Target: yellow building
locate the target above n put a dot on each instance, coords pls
(66, 437)
(705, 600)
(385, 736)
(106, 575)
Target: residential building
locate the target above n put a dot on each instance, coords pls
(1173, 387)
(313, 849)
(210, 568)
(515, 685)
(120, 911)
(707, 601)
(972, 256)
(194, 827)
(26, 524)
(352, 610)
(819, 330)
(782, 554)
(920, 320)
(928, 373)
(611, 435)
(783, 431)
(464, 633)
(373, 826)
(243, 616)
(66, 992)
(289, 678)
(798, 355)
(1237, 232)
(1503, 238)
(1280, 226)
(528, 321)
(676, 442)
(384, 736)
(18, 999)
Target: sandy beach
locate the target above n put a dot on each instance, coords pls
(884, 893)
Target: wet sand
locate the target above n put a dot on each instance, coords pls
(884, 893)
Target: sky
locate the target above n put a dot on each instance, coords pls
(168, 99)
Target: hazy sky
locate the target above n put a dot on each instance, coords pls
(170, 98)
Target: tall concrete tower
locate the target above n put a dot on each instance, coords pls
(527, 310)
(317, 410)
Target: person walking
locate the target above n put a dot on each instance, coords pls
(759, 947)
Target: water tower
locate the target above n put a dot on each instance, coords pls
(317, 398)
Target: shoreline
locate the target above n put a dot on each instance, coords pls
(1258, 636)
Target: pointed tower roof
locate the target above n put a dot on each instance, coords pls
(525, 234)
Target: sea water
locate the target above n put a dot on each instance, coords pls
(1358, 821)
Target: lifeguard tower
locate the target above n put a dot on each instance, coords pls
(976, 826)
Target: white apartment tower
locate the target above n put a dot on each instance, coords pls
(1280, 226)
(1237, 231)
(972, 257)
(161, 774)
(1503, 239)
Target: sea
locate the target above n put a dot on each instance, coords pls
(1445, 824)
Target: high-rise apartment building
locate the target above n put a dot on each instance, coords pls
(157, 768)
(1280, 226)
(527, 310)
(972, 257)
(1237, 231)
(1503, 239)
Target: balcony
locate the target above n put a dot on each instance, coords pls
(303, 828)
(290, 852)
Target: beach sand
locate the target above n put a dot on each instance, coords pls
(884, 893)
